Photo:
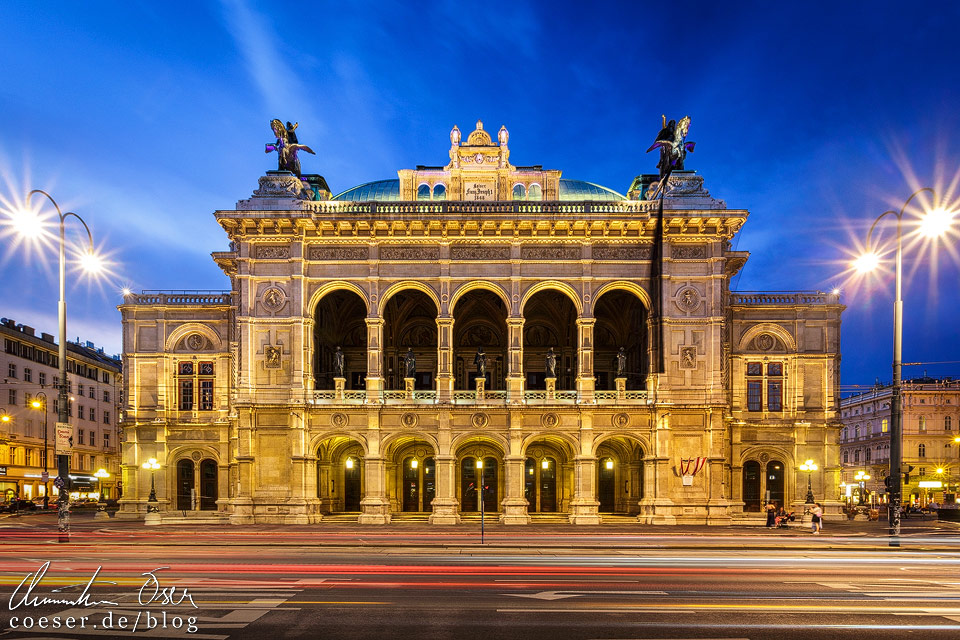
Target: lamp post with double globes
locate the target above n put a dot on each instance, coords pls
(39, 402)
(153, 507)
(29, 225)
(809, 466)
(933, 224)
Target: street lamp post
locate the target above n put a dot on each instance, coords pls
(936, 225)
(36, 403)
(101, 501)
(63, 417)
(809, 466)
(153, 508)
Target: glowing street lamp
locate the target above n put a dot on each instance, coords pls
(102, 501)
(933, 224)
(153, 507)
(809, 466)
(39, 403)
(29, 224)
(862, 477)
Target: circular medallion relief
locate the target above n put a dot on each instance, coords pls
(620, 420)
(409, 420)
(273, 298)
(195, 341)
(688, 299)
(537, 453)
(765, 342)
(764, 457)
(338, 420)
(479, 420)
(421, 453)
(195, 456)
(550, 420)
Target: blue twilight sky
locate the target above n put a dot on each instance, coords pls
(145, 117)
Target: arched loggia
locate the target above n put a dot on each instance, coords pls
(340, 322)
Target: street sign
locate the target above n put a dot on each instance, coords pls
(45, 476)
(64, 438)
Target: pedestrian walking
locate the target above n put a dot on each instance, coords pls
(771, 514)
(817, 521)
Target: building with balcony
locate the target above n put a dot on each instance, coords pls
(392, 350)
(28, 414)
(931, 440)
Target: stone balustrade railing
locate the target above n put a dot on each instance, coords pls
(785, 297)
(179, 297)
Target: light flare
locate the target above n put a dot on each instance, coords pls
(867, 262)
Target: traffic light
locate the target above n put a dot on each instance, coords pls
(887, 482)
(906, 474)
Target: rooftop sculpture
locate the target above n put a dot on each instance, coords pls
(287, 147)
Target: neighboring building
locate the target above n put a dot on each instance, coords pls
(30, 368)
(931, 422)
(239, 395)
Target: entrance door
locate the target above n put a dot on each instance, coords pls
(411, 484)
(606, 486)
(429, 484)
(775, 475)
(469, 479)
(185, 485)
(548, 485)
(751, 486)
(351, 485)
(491, 488)
(208, 485)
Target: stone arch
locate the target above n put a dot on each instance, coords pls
(335, 285)
(629, 435)
(473, 285)
(622, 285)
(181, 332)
(571, 448)
(767, 327)
(754, 453)
(464, 440)
(556, 285)
(347, 438)
(206, 451)
(395, 441)
(406, 284)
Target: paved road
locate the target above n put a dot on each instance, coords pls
(257, 583)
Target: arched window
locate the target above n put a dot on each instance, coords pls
(423, 192)
(535, 193)
(439, 192)
(519, 193)
(884, 425)
(947, 423)
(921, 450)
(866, 455)
(843, 434)
(856, 432)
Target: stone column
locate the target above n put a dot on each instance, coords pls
(514, 505)
(481, 388)
(375, 507)
(585, 380)
(338, 386)
(446, 507)
(324, 476)
(585, 508)
(515, 381)
(374, 378)
(444, 359)
(621, 388)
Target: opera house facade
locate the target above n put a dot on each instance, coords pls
(478, 335)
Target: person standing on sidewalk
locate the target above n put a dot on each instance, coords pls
(817, 521)
(771, 514)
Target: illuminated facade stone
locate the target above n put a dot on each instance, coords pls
(442, 262)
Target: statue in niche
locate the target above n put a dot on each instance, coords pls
(273, 357)
(286, 148)
(410, 364)
(621, 362)
(481, 361)
(551, 363)
(338, 362)
(673, 145)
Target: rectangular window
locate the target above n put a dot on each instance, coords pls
(775, 369)
(93, 393)
(106, 417)
(80, 412)
(106, 439)
(754, 369)
(754, 395)
(774, 395)
(206, 394)
(70, 408)
(93, 414)
(79, 389)
(12, 397)
(884, 426)
(947, 423)
(11, 370)
(186, 395)
(93, 438)
(26, 399)
(43, 378)
(106, 377)
(80, 436)
(106, 396)
(922, 424)
(27, 374)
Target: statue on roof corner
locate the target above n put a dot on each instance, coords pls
(673, 145)
(287, 147)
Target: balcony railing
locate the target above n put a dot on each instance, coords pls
(195, 297)
(751, 298)
(463, 397)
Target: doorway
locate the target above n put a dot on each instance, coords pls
(470, 477)
(208, 485)
(185, 485)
